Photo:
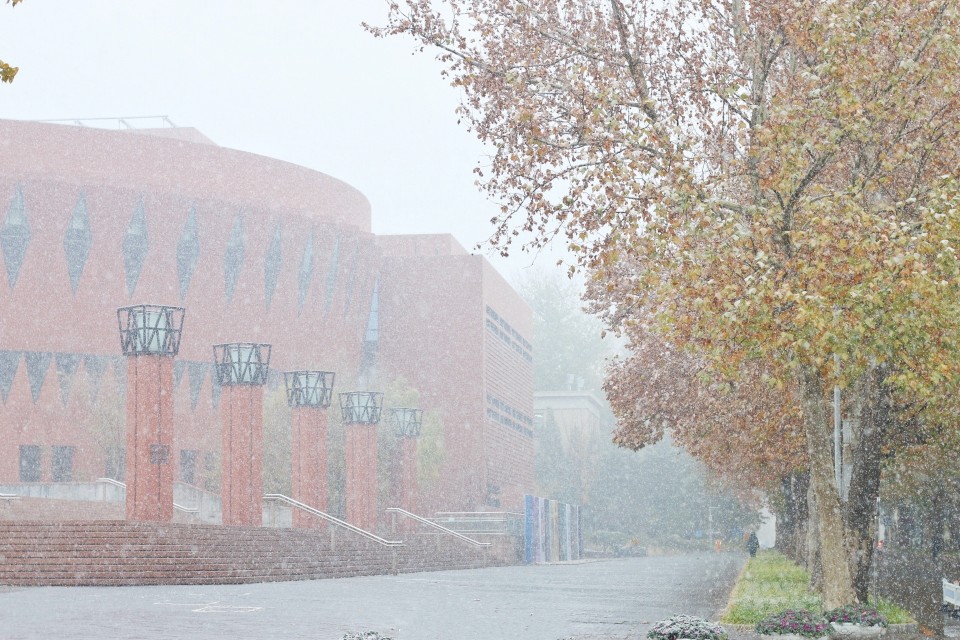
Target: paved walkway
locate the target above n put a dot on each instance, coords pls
(603, 599)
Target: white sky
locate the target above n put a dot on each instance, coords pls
(298, 80)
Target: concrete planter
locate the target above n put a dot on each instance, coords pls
(909, 631)
(853, 631)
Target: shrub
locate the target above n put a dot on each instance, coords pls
(857, 614)
(797, 621)
(686, 627)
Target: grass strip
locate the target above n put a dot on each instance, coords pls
(770, 583)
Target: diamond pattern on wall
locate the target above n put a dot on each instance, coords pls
(351, 281)
(77, 241)
(271, 265)
(233, 257)
(305, 275)
(9, 363)
(67, 364)
(188, 251)
(38, 362)
(15, 236)
(135, 247)
(95, 366)
(332, 275)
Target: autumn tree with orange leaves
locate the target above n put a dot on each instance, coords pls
(8, 72)
(764, 185)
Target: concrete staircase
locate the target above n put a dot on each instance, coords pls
(117, 552)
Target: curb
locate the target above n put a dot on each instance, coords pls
(907, 631)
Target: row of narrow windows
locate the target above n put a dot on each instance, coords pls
(505, 336)
(502, 413)
(61, 461)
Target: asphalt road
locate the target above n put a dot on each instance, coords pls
(602, 599)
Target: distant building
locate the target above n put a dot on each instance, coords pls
(257, 250)
(580, 417)
(455, 329)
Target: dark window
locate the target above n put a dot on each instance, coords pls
(188, 465)
(29, 463)
(62, 464)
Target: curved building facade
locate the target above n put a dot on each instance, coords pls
(255, 249)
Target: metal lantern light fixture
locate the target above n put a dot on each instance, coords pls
(309, 388)
(148, 329)
(361, 407)
(406, 421)
(241, 363)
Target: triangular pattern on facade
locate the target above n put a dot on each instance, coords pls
(215, 389)
(95, 366)
(120, 373)
(305, 273)
(9, 363)
(15, 236)
(135, 246)
(67, 365)
(38, 362)
(233, 258)
(77, 241)
(179, 367)
(272, 264)
(197, 371)
(188, 252)
(332, 275)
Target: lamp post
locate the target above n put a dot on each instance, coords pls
(406, 424)
(241, 369)
(361, 415)
(150, 338)
(309, 394)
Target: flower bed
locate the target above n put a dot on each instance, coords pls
(686, 627)
(794, 622)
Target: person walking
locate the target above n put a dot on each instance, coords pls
(753, 544)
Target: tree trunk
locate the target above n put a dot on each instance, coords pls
(872, 412)
(791, 519)
(937, 521)
(813, 562)
(837, 588)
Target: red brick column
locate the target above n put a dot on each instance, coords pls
(149, 465)
(361, 467)
(241, 414)
(309, 462)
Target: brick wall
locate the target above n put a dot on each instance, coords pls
(130, 553)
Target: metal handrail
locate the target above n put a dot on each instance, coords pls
(329, 518)
(430, 523)
(193, 487)
(9, 496)
(116, 483)
(123, 485)
(477, 513)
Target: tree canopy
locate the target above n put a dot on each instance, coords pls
(7, 72)
(763, 185)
